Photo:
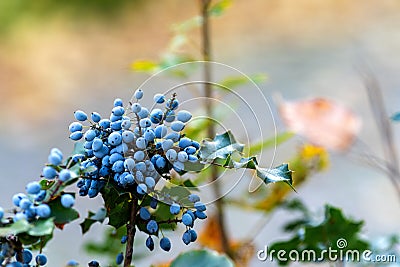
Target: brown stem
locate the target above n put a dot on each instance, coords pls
(130, 232)
(206, 51)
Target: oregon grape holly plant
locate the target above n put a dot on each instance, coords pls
(122, 158)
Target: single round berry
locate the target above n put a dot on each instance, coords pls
(165, 244)
(124, 238)
(187, 219)
(138, 94)
(136, 107)
(182, 156)
(186, 238)
(95, 117)
(75, 136)
(156, 115)
(119, 259)
(64, 175)
(41, 259)
(97, 144)
(144, 214)
(193, 198)
(118, 102)
(184, 116)
(141, 189)
(49, 172)
(174, 209)
(75, 127)
(177, 126)
(193, 235)
(144, 123)
(27, 256)
(115, 138)
(167, 144)
(67, 200)
(172, 104)
(199, 206)
(94, 264)
(33, 188)
(159, 98)
(80, 115)
(118, 111)
(152, 227)
(43, 211)
(141, 143)
(200, 214)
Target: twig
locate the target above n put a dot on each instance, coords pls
(206, 51)
(131, 231)
(385, 130)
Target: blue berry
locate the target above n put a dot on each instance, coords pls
(150, 243)
(193, 198)
(159, 98)
(33, 188)
(90, 135)
(118, 111)
(25, 203)
(97, 144)
(43, 211)
(124, 238)
(40, 196)
(139, 155)
(165, 244)
(1, 213)
(161, 163)
(167, 144)
(75, 127)
(141, 143)
(190, 150)
(144, 123)
(173, 136)
(95, 117)
(75, 136)
(144, 214)
(126, 124)
(41, 259)
(128, 137)
(118, 102)
(182, 156)
(149, 136)
(72, 263)
(174, 209)
(160, 131)
(184, 143)
(138, 94)
(170, 116)
(177, 126)
(156, 116)
(199, 206)
(186, 238)
(143, 113)
(105, 123)
(49, 172)
(27, 255)
(187, 219)
(80, 115)
(141, 189)
(94, 263)
(152, 227)
(193, 235)
(153, 203)
(119, 259)
(115, 138)
(64, 175)
(171, 155)
(136, 107)
(172, 104)
(150, 182)
(184, 116)
(200, 214)
(192, 158)
(67, 200)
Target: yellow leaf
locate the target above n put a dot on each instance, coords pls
(144, 65)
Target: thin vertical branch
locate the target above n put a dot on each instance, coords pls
(385, 129)
(130, 232)
(206, 51)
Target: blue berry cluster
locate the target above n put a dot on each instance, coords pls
(23, 257)
(135, 146)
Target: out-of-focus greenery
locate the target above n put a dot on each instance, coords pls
(14, 11)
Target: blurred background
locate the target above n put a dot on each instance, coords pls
(60, 56)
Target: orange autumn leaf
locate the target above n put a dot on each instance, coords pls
(210, 237)
(323, 122)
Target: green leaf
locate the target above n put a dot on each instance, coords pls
(15, 228)
(92, 218)
(219, 8)
(200, 258)
(270, 142)
(119, 215)
(396, 117)
(61, 214)
(42, 227)
(78, 148)
(221, 147)
(277, 174)
(231, 82)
